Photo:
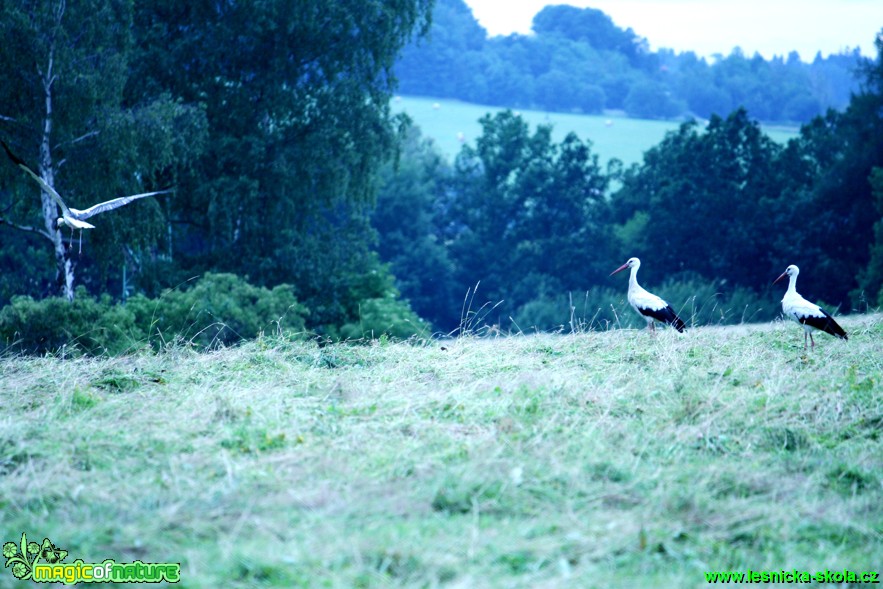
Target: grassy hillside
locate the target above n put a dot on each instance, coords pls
(612, 137)
(601, 459)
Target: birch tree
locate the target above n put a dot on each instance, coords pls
(63, 70)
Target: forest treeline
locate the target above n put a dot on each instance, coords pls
(300, 203)
(715, 211)
(578, 60)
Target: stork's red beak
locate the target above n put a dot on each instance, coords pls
(784, 274)
(623, 267)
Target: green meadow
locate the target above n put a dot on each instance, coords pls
(612, 136)
(591, 459)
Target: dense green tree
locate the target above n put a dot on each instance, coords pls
(846, 192)
(297, 100)
(726, 202)
(432, 65)
(410, 218)
(593, 27)
(871, 279)
(651, 100)
(695, 204)
(529, 216)
(829, 224)
(833, 77)
(693, 80)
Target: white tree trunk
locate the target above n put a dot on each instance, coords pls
(64, 268)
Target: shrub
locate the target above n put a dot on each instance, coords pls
(542, 314)
(697, 302)
(86, 323)
(384, 316)
(218, 309)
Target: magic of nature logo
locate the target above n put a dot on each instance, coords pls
(44, 563)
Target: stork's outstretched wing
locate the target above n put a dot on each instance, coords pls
(46, 188)
(114, 204)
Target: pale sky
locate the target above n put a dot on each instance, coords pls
(769, 27)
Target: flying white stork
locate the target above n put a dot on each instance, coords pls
(75, 218)
(802, 311)
(648, 305)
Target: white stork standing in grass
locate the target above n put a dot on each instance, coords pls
(799, 309)
(651, 307)
(75, 218)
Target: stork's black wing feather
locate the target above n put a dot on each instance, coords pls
(825, 323)
(665, 315)
(15, 159)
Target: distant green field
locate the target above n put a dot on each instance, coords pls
(611, 136)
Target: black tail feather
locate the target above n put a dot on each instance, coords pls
(675, 321)
(678, 323)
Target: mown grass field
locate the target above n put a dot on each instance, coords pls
(611, 136)
(599, 459)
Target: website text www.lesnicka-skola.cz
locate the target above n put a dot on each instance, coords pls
(794, 576)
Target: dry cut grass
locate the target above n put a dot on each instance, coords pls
(599, 459)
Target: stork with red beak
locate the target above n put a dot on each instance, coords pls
(799, 309)
(648, 305)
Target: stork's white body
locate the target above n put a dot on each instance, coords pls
(74, 223)
(796, 307)
(649, 306)
(810, 316)
(643, 300)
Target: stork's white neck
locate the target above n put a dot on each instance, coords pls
(633, 277)
(792, 283)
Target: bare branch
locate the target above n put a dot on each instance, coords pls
(25, 228)
(84, 137)
(75, 141)
(131, 258)
(17, 122)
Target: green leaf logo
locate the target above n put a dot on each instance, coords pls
(23, 556)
